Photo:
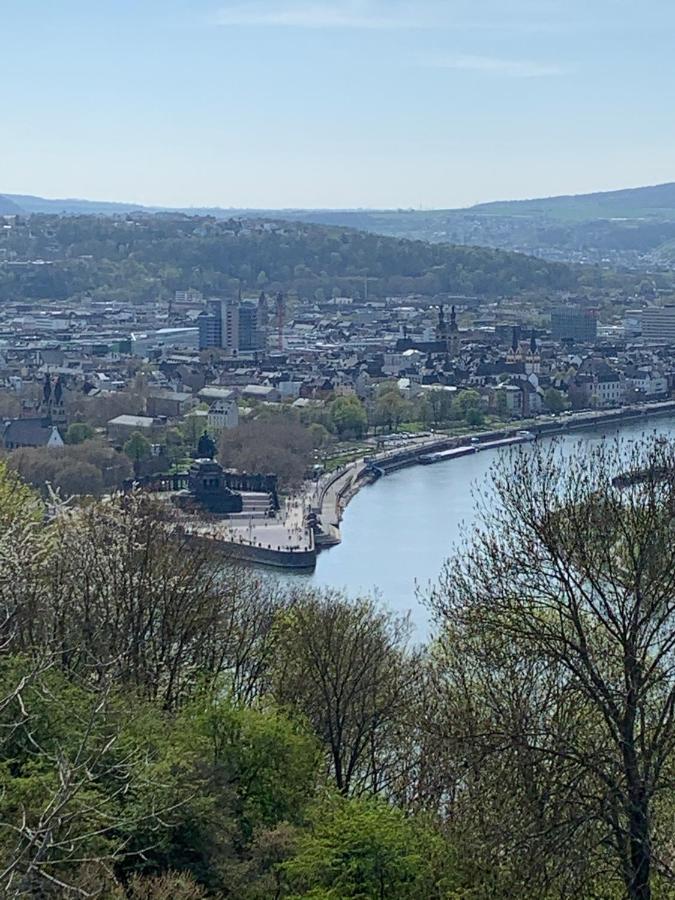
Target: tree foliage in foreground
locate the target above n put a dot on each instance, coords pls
(555, 672)
(172, 725)
(142, 748)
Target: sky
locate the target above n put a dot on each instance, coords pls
(334, 103)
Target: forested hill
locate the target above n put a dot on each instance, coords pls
(631, 228)
(654, 202)
(141, 255)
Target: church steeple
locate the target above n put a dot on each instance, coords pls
(454, 340)
(442, 327)
(453, 320)
(533, 359)
(52, 406)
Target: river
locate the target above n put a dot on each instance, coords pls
(397, 532)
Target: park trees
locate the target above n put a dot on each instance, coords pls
(91, 467)
(440, 401)
(320, 435)
(348, 417)
(277, 445)
(556, 660)
(390, 408)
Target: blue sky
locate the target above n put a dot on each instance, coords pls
(340, 103)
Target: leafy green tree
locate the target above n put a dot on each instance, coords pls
(192, 428)
(348, 416)
(138, 449)
(422, 411)
(467, 400)
(343, 665)
(76, 787)
(441, 406)
(245, 770)
(319, 434)
(554, 400)
(19, 505)
(391, 408)
(366, 849)
(474, 417)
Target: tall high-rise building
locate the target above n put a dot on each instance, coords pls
(231, 325)
(574, 323)
(229, 317)
(658, 324)
(210, 326)
(249, 336)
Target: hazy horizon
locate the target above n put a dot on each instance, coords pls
(268, 208)
(335, 104)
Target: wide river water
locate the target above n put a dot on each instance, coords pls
(397, 532)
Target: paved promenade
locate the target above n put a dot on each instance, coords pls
(329, 496)
(285, 532)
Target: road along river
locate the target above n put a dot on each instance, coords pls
(397, 532)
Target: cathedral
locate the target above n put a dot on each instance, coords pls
(525, 352)
(447, 333)
(448, 339)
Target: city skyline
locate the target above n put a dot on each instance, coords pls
(335, 104)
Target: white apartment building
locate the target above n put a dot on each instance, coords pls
(222, 414)
(658, 324)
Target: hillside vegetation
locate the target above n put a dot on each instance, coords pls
(635, 221)
(143, 255)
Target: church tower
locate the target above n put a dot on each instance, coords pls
(454, 340)
(53, 407)
(533, 358)
(514, 355)
(442, 326)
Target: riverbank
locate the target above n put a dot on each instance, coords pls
(341, 487)
(259, 555)
(398, 534)
(310, 522)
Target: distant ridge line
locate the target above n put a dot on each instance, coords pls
(655, 198)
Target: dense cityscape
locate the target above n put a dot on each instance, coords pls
(129, 387)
